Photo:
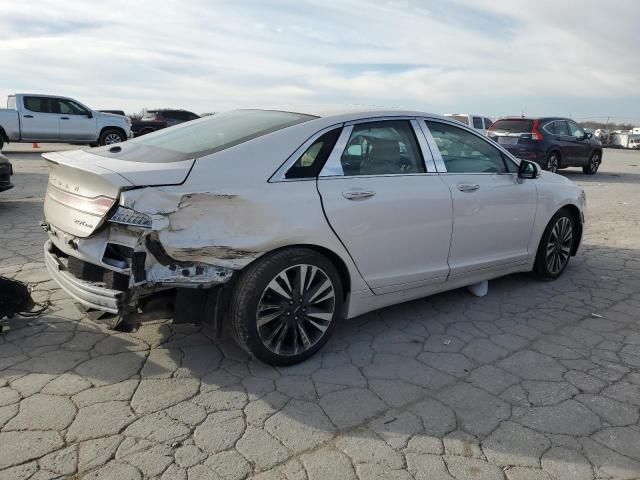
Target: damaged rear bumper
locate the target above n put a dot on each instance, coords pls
(89, 294)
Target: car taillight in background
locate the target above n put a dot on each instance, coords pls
(536, 134)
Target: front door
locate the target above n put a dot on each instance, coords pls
(493, 210)
(76, 122)
(38, 120)
(393, 216)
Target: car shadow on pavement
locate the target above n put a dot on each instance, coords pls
(533, 374)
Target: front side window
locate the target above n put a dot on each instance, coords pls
(38, 104)
(477, 123)
(382, 148)
(312, 160)
(68, 107)
(576, 130)
(465, 152)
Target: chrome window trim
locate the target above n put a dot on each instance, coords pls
(333, 166)
(496, 145)
(435, 151)
(280, 174)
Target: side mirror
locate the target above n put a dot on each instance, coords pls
(89, 115)
(588, 135)
(529, 170)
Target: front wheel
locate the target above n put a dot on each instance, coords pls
(555, 246)
(285, 306)
(110, 136)
(594, 163)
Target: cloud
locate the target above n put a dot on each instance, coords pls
(490, 57)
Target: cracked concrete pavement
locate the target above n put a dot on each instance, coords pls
(535, 381)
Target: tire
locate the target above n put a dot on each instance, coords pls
(554, 251)
(111, 136)
(289, 334)
(553, 162)
(593, 164)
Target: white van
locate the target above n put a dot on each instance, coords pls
(478, 122)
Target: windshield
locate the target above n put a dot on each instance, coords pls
(513, 126)
(460, 118)
(218, 132)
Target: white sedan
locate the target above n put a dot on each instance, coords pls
(278, 224)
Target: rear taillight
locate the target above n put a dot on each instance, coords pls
(536, 134)
(92, 205)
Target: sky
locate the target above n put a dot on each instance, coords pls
(578, 58)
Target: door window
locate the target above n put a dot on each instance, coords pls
(69, 107)
(477, 123)
(487, 123)
(312, 160)
(38, 104)
(576, 130)
(465, 152)
(560, 128)
(382, 148)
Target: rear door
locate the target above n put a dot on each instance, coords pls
(392, 214)
(38, 120)
(562, 140)
(493, 210)
(76, 122)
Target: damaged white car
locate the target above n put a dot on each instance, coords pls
(276, 224)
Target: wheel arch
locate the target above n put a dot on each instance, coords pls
(117, 129)
(577, 221)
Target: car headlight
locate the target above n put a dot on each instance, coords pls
(126, 216)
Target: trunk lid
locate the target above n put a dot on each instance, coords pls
(84, 187)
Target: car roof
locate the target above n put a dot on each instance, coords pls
(345, 113)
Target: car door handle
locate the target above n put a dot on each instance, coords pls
(64, 118)
(358, 194)
(468, 187)
(28, 116)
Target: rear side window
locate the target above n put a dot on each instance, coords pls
(38, 104)
(11, 102)
(218, 132)
(382, 148)
(477, 123)
(560, 128)
(513, 126)
(312, 160)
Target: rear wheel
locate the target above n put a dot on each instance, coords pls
(553, 162)
(284, 306)
(555, 246)
(110, 136)
(594, 163)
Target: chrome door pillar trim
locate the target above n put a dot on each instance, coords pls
(333, 165)
(427, 154)
(435, 151)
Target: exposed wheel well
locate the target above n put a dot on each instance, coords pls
(117, 129)
(343, 271)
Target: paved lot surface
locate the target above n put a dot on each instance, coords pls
(534, 381)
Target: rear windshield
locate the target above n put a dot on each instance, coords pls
(460, 118)
(513, 126)
(218, 132)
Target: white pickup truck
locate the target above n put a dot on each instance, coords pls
(48, 118)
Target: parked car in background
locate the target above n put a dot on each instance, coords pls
(6, 171)
(115, 112)
(634, 143)
(477, 122)
(279, 224)
(46, 118)
(153, 120)
(551, 142)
